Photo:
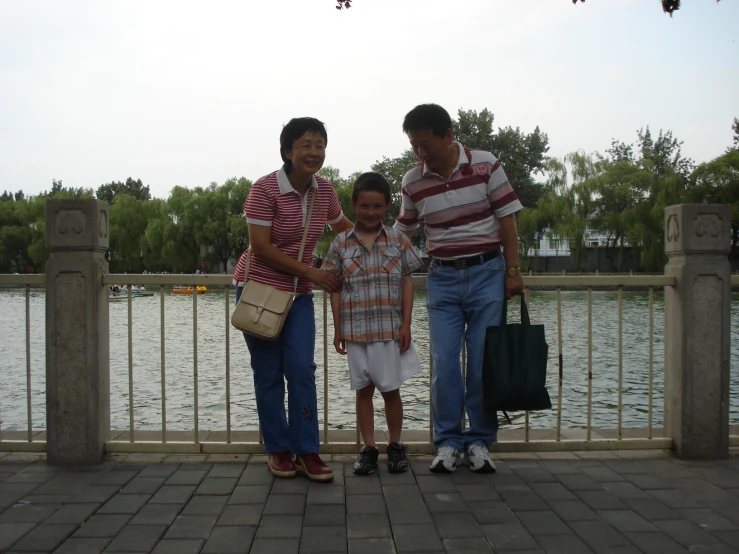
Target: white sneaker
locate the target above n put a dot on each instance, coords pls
(446, 461)
(478, 458)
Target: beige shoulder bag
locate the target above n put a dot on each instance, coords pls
(262, 309)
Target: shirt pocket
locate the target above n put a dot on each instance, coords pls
(391, 260)
(351, 261)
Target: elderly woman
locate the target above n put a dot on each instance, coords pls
(276, 212)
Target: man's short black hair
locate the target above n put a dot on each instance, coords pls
(428, 116)
(295, 129)
(371, 182)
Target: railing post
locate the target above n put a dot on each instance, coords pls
(77, 348)
(697, 331)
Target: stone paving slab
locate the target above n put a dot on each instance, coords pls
(546, 503)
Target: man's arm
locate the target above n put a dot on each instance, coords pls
(509, 240)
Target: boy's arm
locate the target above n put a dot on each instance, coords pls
(407, 306)
(339, 342)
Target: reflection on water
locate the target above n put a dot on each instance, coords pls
(212, 325)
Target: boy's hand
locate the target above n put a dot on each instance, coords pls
(404, 341)
(339, 344)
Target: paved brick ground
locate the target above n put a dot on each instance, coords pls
(557, 503)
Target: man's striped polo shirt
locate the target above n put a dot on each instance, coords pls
(461, 214)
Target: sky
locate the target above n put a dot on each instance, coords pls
(185, 93)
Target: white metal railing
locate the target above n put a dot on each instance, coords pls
(30, 443)
(331, 441)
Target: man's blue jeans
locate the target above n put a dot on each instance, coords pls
(288, 358)
(462, 303)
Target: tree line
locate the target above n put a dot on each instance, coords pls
(620, 194)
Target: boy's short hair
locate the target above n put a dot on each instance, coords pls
(428, 116)
(295, 129)
(371, 182)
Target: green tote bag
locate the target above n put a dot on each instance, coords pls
(514, 370)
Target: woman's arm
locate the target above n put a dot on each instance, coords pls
(260, 239)
(343, 225)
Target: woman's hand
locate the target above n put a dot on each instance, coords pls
(404, 341)
(327, 281)
(339, 343)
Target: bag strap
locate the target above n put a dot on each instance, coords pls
(302, 242)
(524, 311)
(305, 235)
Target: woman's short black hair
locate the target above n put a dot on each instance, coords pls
(295, 129)
(371, 182)
(428, 116)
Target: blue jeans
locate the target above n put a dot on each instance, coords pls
(288, 358)
(462, 303)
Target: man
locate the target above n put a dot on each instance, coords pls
(468, 208)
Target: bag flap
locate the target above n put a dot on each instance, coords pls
(266, 296)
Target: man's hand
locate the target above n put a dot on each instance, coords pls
(513, 286)
(404, 341)
(339, 343)
(327, 281)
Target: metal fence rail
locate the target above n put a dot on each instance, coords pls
(336, 441)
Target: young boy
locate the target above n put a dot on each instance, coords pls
(372, 316)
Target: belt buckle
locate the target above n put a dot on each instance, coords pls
(460, 264)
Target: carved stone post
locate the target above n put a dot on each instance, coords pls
(77, 348)
(697, 331)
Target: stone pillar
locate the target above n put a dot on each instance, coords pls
(697, 331)
(77, 347)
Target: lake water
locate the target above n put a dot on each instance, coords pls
(212, 356)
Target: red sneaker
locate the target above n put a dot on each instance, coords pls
(280, 464)
(312, 466)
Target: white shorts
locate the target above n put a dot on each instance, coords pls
(381, 364)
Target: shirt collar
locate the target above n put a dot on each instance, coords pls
(353, 231)
(461, 161)
(286, 187)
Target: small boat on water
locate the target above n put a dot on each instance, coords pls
(188, 290)
(143, 293)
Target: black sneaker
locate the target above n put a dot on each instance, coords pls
(366, 461)
(397, 459)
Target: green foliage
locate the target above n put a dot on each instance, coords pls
(718, 182)
(134, 189)
(522, 155)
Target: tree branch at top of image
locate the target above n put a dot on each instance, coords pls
(668, 6)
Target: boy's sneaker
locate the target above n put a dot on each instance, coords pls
(366, 461)
(478, 458)
(397, 459)
(312, 466)
(446, 461)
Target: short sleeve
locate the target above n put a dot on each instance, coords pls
(409, 260)
(408, 217)
(334, 214)
(501, 195)
(332, 261)
(260, 205)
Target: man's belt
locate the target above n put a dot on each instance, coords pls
(469, 261)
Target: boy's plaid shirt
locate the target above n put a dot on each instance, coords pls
(371, 298)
